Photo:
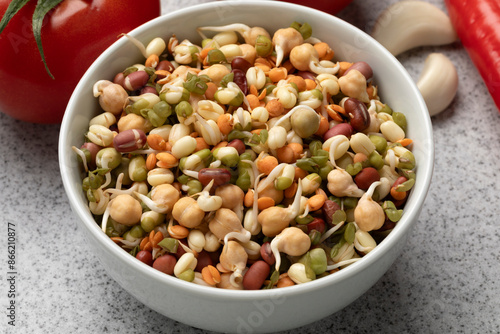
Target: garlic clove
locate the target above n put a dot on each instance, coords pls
(409, 24)
(438, 82)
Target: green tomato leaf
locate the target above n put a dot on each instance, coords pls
(42, 8)
(13, 8)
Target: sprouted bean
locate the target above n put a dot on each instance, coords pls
(245, 160)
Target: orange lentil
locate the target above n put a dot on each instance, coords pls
(204, 53)
(359, 157)
(286, 154)
(152, 61)
(344, 65)
(211, 275)
(405, 141)
(162, 73)
(201, 144)
(335, 112)
(371, 90)
(151, 161)
(278, 73)
(156, 142)
(299, 81)
(264, 61)
(253, 101)
(316, 202)
(253, 90)
(155, 238)
(166, 160)
(248, 199)
(299, 173)
(210, 91)
(310, 84)
(263, 67)
(324, 126)
(288, 66)
(117, 240)
(225, 123)
(177, 231)
(267, 164)
(297, 148)
(290, 191)
(275, 108)
(265, 202)
(324, 51)
(284, 282)
(398, 195)
(262, 94)
(145, 245)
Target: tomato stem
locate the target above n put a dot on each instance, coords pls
(13, 8)
(42, 8)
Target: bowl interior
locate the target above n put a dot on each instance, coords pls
(395, 86)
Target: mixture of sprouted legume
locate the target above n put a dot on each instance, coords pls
(250, 161)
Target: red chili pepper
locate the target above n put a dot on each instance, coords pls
(477, 23)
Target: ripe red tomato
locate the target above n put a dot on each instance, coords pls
(74, 34)
(328, 6)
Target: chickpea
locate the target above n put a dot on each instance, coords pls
(133, 121)
(368, 214)
(226, 224)
(285, 40)
(164, 197)
(187, 212)
(234, 258)
(292, 241)
(125, 209)
(232, 195)
(112, 97)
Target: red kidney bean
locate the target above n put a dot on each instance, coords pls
(119, 79)
(241, 64)
(135, 80)
(238, 144)
(345, 129)
(129, 140)
(328, 209)
(204, 260)
(180, 249)
(149, 89)
(388, 225)
(93, 149)
(360, 118)
(241, 80)
(256, 275)
(145, 257)
(306, 75)
(317, 224)
(362, 67)
(267, 254)
(399, 180)
(165, 65)
(219, 175)
(366, 177)
(165, 264)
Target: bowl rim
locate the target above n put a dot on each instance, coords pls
(169, 281)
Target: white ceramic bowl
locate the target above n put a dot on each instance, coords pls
(249, 311)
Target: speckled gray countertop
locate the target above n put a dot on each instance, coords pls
(445, 280)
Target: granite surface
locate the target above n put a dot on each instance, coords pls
(445, 280)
